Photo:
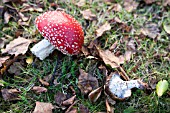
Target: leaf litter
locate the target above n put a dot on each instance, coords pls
(87, 83)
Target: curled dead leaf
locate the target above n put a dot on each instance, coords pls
(105, 27)
(44, 82)
(42, 107)
(109, 58)
(151, 30)
(88, 15)
(39, 89)
(86, 82)
(59, 98)
(17, 46)
(15, 68)
(69, 101)
(7, 17)
(95, 94)
(10, 94)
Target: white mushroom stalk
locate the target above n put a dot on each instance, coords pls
(42, 49)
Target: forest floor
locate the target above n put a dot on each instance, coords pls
(136, 32)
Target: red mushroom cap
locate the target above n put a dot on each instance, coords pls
(62, 30)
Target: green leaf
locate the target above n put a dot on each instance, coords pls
(161, 87)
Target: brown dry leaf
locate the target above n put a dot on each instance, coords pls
(3, 59)
(81, 3)
(130, 5)
(109, 58)
(88, 15)
(10, 94)
(72, 110)
(44, 82)
(15, 68)
(151, 30)
(59, 98)
(102, 29)
(27, 7)
(42, 107)
(116, 7)
(108, 107)
(149, 1)
(125, 57)
(83, 109)
(39, 89)
(24, 23)
(95, 94)
(85, 50)
(86, 82)
(69, 101)
(7, 16)
(166, 3)
(17, 46)
(113, 46)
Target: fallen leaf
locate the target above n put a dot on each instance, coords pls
(108, 108)
(130, 5)
(161, 87)
(29, 60)
(83, 109)
(151, 30)
(42, 107)
(17, 46)
(39, 89)
(10, 94)
(24, 23)
(7, 16)
(113, 46)
(166, 3)
(86, 82)
(59, 98)
(116, 7)
(149, 1)
(44, 82)
(27, 7)
(88, 15)
(23, 17)
(69, 101)
(95, 94)
(85, 50)
(71, 109)
(3, 59)
(15, 68)
(109, 58)
(102, 29)
(81, 3)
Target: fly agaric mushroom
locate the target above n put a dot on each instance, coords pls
(61, 31)
(117, 89)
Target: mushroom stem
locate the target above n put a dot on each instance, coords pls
(42, 49)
